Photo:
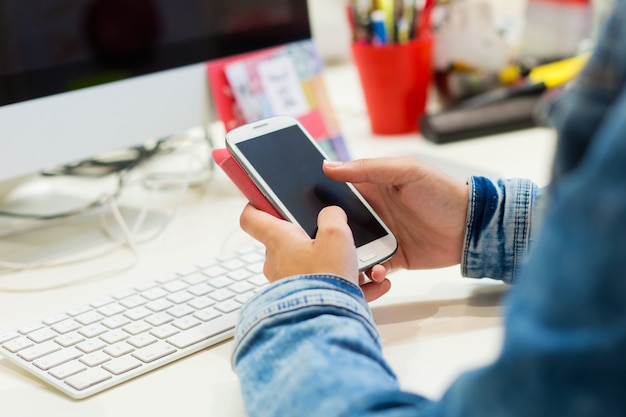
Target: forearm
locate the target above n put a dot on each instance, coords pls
(308, 346)
(502, 222)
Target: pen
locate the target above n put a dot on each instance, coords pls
(379, 31)
(361, 20)
(388, 10)
(403, 30)
(423, 26)
(407, 18)
(539, 79)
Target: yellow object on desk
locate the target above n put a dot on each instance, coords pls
(552, 74)
(560, 72)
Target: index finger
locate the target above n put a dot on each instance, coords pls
(391, 171)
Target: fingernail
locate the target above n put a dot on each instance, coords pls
(332, 164)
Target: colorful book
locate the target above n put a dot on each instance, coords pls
(285, 80)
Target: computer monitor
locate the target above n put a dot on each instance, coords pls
(82, 77)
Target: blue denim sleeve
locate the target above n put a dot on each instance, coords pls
(502, 222)
(307, 346)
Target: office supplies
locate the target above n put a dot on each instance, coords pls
(92, 347)
(360, 10)
(380, 34)
(386, 22)
(407, 15)
(395, 81)
(463, 123)
(386, 10)
(540, 78)
(501, 94)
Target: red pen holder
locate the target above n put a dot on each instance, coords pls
(395, 79)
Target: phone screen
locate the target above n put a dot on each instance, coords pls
(292, 167)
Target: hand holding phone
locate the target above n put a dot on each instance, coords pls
(285, 164)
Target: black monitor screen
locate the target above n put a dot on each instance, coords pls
(53, 46)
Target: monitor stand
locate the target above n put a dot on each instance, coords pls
(29, 241)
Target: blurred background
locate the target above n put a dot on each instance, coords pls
(485, 52)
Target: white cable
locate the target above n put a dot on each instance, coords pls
(130, 240)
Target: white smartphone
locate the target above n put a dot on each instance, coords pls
(285, 163)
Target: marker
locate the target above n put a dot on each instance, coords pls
(539, 79)
(409, 10)
(388, 9)
(404, 31)
(379, 31)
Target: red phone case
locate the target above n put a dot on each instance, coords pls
(237, 175)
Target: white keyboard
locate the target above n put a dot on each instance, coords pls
(92, 347)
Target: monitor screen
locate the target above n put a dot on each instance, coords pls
(82, 77)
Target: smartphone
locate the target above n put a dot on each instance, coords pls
(285, 163)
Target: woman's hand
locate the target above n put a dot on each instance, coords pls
(289, 251)
(425, 208)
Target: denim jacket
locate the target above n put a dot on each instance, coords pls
(307, 346)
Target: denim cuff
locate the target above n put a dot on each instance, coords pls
(498, 227)
(290, 297)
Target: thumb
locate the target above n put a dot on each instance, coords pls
(334, 241)
(332, 225)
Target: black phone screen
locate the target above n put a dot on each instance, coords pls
(292, 167)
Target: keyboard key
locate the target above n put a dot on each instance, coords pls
(95, 359)
(42, 335)
(91, 345)
(164, 331)
(88, 317)
(37, 351)
(228, 306)
(56, 359)
(221, 295)
(69, 339)
(159, 319)
(16, 345)
(111, 309)
(67, 369)
(137, 327)
(8, 336)
(66, 326)
(202, 303)
(154, 352)
(207, 314)
(54, 319)
(202, 332)
(114, 336)
(118, 349)
(142, 340)
(93, 330)
(185, 323)
(88, 378)
(30, 328)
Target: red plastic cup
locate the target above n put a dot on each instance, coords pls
(395, 80)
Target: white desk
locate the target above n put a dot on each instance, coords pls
(434, 324)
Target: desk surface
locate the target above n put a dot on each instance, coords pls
(434, 324)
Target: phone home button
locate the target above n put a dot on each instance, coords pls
(367, 256)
